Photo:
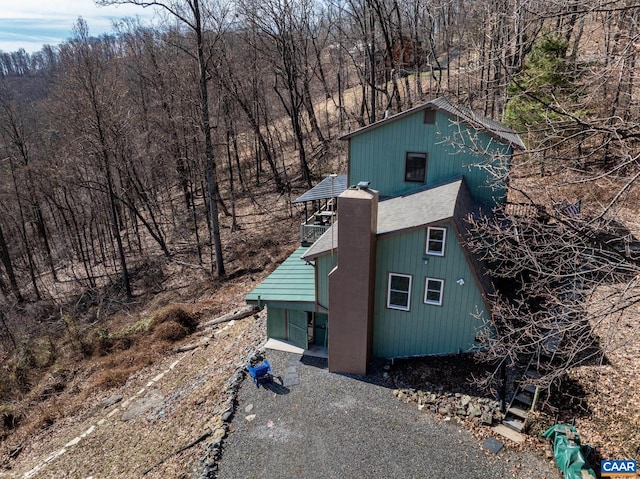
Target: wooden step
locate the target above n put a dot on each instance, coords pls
(516, 411)
(530, 388)
(524, 398)
(532, 373)
(513, 423)
(509, 433)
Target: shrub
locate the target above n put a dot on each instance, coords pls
(101, 342)
(112, 377)
(177, 314)
(170, 331)
(24, 363)
(10, 418)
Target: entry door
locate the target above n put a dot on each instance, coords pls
(298, 328)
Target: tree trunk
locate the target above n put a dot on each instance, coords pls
(210, 166)
(8, 267)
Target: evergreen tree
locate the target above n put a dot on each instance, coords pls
(539, 95)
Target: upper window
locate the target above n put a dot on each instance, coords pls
(436, 238)
(415, 167)
(429, 116)
(433, 291)
(399, 291)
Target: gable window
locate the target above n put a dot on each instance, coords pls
(429, 116)
(415, 167)
(433, 290)
(436, 238)
(399, 291)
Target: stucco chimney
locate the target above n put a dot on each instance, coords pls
(352, 282)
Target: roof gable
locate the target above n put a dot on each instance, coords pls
(418, 208)
(460, 113)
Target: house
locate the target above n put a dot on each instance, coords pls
(392, 277)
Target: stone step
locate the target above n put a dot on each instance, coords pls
(516, 411)
(513, 423)
(509, 433)
(524, 398)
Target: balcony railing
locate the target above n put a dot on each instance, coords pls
(310, 233)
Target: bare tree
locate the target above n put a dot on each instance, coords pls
(96, 100)
(191, 15)
(284, 35)
(565, 249)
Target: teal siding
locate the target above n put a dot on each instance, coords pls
(324, 265)
(425, 329)
(378, 155)
(297, 323)
(276, 323)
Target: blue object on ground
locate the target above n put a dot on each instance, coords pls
(261, 373)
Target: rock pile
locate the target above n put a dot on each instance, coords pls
(207, 466)
(214, 449)
(478, 410)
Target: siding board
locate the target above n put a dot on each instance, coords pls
(426, 329)
(325, 264)
(378, 155)
(276, 323)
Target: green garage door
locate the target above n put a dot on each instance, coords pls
(321, 326)
(298, 328)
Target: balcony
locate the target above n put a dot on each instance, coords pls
(309, 234)
(323, 197)
(316, 225)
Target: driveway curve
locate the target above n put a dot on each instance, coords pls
(322, 425)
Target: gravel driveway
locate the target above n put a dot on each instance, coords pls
(324, 425)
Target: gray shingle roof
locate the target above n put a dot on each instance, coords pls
(419, 208)
(460, 113)
(422, 207)
(326, 189)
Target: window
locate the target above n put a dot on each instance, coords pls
(415, 167)
(429, 117)
(399, 292)
(433, 290)
(436, 238)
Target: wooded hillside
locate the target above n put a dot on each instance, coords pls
(122, 154)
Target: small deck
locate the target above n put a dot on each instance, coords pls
(317, 224)
(324, 197)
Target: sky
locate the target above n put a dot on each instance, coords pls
(29, 24)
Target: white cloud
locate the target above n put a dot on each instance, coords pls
(29, 24)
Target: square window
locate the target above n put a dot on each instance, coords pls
(399, 291)
(436, 239)
(415, 167)
(433, 291)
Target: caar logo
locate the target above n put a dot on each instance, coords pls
(618, 468)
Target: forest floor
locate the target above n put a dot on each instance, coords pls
(114, 408)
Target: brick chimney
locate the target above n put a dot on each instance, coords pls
(352, 282)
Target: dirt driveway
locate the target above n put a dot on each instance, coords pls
(323, 425)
